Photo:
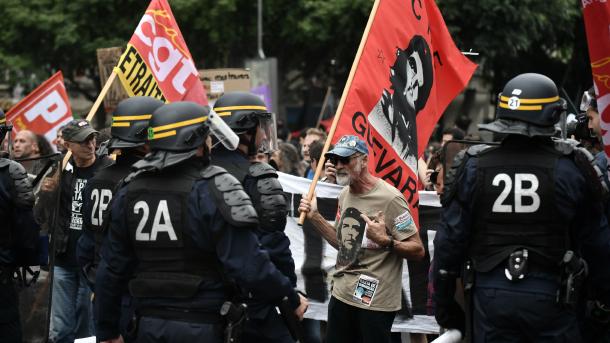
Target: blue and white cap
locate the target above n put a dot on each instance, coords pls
(347, 146)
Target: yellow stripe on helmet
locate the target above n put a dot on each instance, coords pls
(521, 107)
(179, 124)
(130, 118)
(532, 101)
(163, 134)
(115, 124)
(240, 108)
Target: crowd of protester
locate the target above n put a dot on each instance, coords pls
(366, 201)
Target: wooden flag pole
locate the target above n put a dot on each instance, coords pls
(324, 104)
(93, 110)
(333, 127)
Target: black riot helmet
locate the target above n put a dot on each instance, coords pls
(247, 113)
(528, 105)
(178, 127)
(130, 121)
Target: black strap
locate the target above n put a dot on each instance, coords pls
(181, 314)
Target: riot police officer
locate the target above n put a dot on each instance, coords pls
(128, 131)
(18, 237)
(517, 221)
(183, 229)
(247, 115)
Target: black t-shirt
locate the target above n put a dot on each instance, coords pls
(71, 202)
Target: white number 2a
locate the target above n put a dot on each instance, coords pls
(161, 223)
(519, 192)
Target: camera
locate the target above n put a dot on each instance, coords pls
(578, 126)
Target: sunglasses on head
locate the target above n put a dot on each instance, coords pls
(344, 160)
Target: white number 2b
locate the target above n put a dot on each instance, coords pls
(519, 192)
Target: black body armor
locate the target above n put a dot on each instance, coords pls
(515, 208)
(170, 264)
(22, 196)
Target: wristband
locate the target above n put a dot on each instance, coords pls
(390, 246)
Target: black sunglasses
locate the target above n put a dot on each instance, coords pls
(334, 159)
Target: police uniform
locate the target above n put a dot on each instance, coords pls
(128, 131)
(243, 113)
(18, 238)
(183, 230)
(510, 214)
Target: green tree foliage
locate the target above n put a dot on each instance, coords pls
(316, 40)
(517, 36)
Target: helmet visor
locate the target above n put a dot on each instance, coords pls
(587, 101)
(267, 133)
(222, 131)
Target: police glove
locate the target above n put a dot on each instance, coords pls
(450, 316)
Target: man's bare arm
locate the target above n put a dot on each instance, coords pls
(411, 248)
(324, 228)
(321, 225)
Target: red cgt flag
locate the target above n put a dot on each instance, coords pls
(408, 73)
(157, 61)
(44, 110)
(597, 21)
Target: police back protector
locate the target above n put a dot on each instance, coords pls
(102, 186)
(515, 208)
(169, 263)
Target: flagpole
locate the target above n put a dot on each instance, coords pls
(331, 132)
(324, 104)
(93, 110)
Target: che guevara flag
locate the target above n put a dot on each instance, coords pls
(407, 74)
(44, 110)
(157, 61)
(597, 23)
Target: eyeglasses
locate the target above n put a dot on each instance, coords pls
(344, 160)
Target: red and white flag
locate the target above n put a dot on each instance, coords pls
(597, 25)
(157, 61)
(408, 73)
(44, 110)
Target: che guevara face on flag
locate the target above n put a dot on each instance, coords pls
(394, 116)
(408, 71)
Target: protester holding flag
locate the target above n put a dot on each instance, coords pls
(373, 233)
(519, 219)
(18, 238)
(70, 308)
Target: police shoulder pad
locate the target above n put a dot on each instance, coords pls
(262, 169)
(594, 177)
(211, 171)
(565, 146)
(231, 199)
(24, 196)
(477, 149)
(4, 162)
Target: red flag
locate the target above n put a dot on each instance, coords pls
(157, 61)
(597, 22)
(44, 110)
(408, 73)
